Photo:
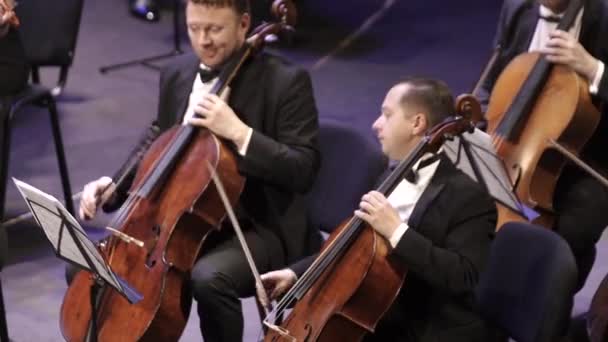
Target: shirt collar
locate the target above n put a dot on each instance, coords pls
(547, 12)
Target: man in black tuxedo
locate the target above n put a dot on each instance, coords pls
(439, 225)
(270, 121)
(580, 202)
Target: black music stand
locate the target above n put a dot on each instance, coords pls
(72, 244)
(177, 50)
(474, 154)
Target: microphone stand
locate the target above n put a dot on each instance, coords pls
(146, 61)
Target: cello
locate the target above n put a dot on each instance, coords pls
(353, 282)
(172, 206)
(534, 146)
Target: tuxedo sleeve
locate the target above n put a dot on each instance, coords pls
(598, 47)
(484, 92)
(291, 159)
(302, 265)
(602, 91)
(454, 266)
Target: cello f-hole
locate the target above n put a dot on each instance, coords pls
(308, 329)
(150, 263)
(156, 229)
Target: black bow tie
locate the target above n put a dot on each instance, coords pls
(550, 18)
(411, 175)
(207, 74)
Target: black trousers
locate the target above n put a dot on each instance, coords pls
(222, 276)
(582, 204)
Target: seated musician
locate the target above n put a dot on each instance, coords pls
(580, 201)
(270, 121)
(439, 224)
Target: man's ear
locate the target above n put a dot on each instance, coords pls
(421, 124)
(246, 21)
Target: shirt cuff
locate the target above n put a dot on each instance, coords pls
(397, 234)
(595, 83)
(243, 149)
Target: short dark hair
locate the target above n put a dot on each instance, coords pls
(430, 96)
(239, 6)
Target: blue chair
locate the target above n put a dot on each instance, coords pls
(350, 166)
(528, 287)
(49, 40)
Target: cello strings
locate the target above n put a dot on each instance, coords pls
(326, 258)
(320, 265)
(344, 239)
(168, 155)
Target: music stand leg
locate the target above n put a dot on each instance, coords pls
(95, 288)
(177, 50)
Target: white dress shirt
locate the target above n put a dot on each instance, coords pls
(406, 195)
(199, 90)
(541, 38)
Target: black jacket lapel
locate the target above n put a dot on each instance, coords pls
(183, 88)
(244, 89)
(529, 19)
(433, 190)
(589, 25)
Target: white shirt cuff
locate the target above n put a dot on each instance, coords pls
(243, 149)
(397, 234)
(595, 83)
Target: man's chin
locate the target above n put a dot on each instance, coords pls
(210, 62)
(384, 148)
(211, 65)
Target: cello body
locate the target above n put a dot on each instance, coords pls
(364, 283)
(562, 112)
(173, 223)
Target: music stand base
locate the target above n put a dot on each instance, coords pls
(177, 50)
(142, 61)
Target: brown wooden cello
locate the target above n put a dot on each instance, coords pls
(353, 282)
(539, 115)
(172, 206)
